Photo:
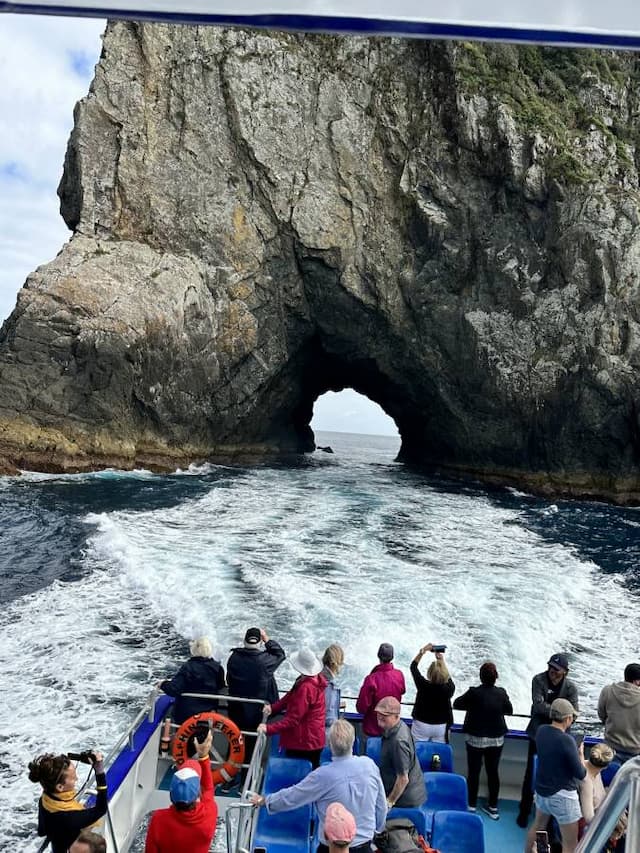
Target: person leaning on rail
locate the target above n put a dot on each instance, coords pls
(200, 674)
(353, 780)
(545, 687)
(89, 842)
(383, 680)
(619, 710)
(60, 816)
(332, 663)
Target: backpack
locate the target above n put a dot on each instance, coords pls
(400, 836)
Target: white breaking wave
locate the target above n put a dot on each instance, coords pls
(353, 551)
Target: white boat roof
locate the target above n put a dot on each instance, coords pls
(614, 24)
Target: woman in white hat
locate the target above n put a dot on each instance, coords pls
(301, 729)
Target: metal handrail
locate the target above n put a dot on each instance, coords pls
(623, 793)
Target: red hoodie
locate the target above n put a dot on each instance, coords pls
(302, 727)
(171, 831)
(383, 680)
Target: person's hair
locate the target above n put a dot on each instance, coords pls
(438, 672)
(632, 672)
(333, 657)
(185, 807)
(600, 755)
(49, 770)
(201, 648)
(96, 843)
(488, 673)
(341, 737)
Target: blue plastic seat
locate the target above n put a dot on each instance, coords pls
(446, 791)
(426, 749)
(285, 832)
(457, 832)
(419, 816)
(374, 748)
(283, 772)
(609, 772)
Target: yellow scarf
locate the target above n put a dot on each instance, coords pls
(62, 802)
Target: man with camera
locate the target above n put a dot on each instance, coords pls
(61, 817)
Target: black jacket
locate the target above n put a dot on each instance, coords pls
(486, 706)
(250, 674)
(433, 701)
(62, 828)
(197, 675)
(542, 695)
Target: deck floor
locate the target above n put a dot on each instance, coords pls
(504, 835)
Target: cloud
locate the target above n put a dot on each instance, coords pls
(46, 65)
(349, 411)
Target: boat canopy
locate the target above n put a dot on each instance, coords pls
(615, 24)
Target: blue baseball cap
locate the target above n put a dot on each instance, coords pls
(185, 785)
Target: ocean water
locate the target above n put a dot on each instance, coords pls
(104, 577)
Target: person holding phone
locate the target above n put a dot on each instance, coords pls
(432, 712)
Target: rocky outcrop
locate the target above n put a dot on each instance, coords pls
(451, 229)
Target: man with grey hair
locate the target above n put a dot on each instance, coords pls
(200, 674)
(354, 781)
(560, 767)
(400, 769)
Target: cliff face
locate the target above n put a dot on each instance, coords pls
(452, 230)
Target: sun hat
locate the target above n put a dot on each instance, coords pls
(385, 652)
(252, 638)
(305, 662)
(388, 706)
(561, 708)
(185, 785)
(558, 661)
(339, 824)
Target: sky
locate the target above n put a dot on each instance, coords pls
(46, 65)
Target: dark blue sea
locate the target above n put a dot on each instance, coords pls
(104, 578)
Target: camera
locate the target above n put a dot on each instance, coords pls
(86, 757)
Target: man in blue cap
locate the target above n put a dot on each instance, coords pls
(545, 688)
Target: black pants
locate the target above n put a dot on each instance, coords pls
(312, 755)
(526, 795)
(491, 757)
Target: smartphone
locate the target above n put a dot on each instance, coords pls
(441, 649)
(578, 739)
(542, 842)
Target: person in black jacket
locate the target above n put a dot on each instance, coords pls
(250, 675)
(61, 817)
(432, 714)
(485, 727)
(200, 674)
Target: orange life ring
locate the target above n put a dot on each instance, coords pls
(225, 726)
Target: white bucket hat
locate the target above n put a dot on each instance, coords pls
(305, 662)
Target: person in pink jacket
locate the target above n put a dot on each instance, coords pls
(301, 730)
(383, 680)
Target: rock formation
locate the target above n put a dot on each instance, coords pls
(452, 230)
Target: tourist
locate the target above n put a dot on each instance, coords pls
(332, 661)
(250, 674)
(352, 780)
(339, 829)
(432, 714)
(545, 687)
(383, 680)
(200, 674)
(301, 729)
(592, 792)
(485, 728)
(60, 816)
(399, 767)
(89, 842)
(560, 768)
(619, 710)
(189, 824)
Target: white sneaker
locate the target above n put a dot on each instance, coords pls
(472, 809)
(492, 812)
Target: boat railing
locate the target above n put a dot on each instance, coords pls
(623, 794)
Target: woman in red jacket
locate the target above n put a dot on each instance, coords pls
(301, 729)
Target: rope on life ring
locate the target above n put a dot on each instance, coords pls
(229, 767)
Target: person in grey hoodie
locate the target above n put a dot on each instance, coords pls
(619, 710)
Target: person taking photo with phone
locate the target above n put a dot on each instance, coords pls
(432, 713)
